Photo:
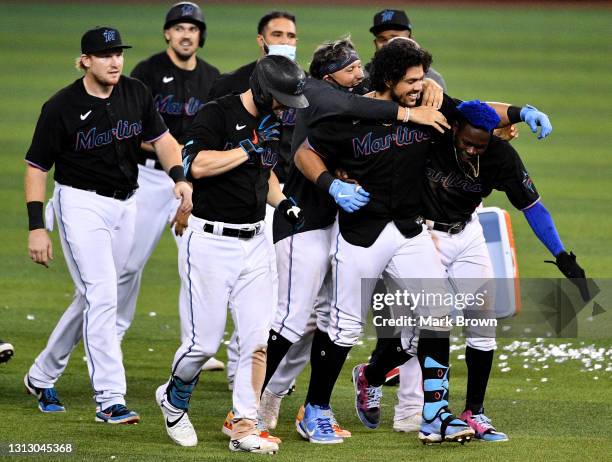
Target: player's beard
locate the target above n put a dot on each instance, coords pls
(399, 99)
(181, 55)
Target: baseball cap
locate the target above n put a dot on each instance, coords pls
(101, 38)
(390, 20)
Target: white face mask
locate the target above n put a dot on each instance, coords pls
(287, 51)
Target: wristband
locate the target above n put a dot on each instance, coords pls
(35, 215)
(406, 115)
(514, 114)
(325, 180)
(177, 173)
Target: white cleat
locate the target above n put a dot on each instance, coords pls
(253, 443)
(409, 424)
(269, 408)
(213, 364)
(177, 422)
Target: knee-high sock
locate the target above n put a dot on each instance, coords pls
(479, 365)
(326, 361)
(277, 349)
(389, 355)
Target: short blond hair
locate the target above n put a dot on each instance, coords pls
(78, 64)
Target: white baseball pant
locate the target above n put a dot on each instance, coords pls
(96, 233)
(220, 272)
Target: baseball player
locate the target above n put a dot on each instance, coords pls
(6, 351)
(180, 83)
(302, 255)
(224, 256)
(91, 131)
(466, 167)
(276, 35)
(389, 24)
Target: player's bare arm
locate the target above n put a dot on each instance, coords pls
(40, 248)
(169, 154)
(212, 163)
(433, 94)
(288, 208)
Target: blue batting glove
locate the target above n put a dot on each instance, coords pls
(534, 118)
(349, 197)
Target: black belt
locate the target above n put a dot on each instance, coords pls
(152, 163)
(114, 193)
(450, 228)
(240, 233)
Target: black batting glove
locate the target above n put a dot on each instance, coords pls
(567, 264)
(267, 132)
(292, 213)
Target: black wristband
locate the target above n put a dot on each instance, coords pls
(514, 114)
(35, 215)
(325, 180)
(177, 174)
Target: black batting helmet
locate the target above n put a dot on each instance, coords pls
(279, 78)
(186, 12)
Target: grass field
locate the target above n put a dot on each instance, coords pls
(555, 59)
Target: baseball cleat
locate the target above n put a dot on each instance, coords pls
(6, 351)
(48, 401)
(445, 427)
(483, 427)
(316, 426)
(367, 398)
(412, 423)
(213, 364)
(269, 408)
(117, 414)
(253, 443)
(341, 432)
(228, 428)
(178, 426)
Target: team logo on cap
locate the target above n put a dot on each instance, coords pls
(187, 10)
(109, 35)
(387, 15)
(299, 88)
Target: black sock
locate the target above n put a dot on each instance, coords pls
(479, 365)
(326, 361)
(277, 349)
(434, 344)
(390, 355)
(381, 346)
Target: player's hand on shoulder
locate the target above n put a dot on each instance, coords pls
(291, 212)
(40, 248)
(183, 191)
(180, 222)
(425, 115)
(349, 197)
(433, 94)
(507, 133)
(535, 118)
(567, 264)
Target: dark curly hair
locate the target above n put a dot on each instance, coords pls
(329, 52)
(391, 62)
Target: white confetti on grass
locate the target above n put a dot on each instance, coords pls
(543, 379)
(30, 317)
(152, 314)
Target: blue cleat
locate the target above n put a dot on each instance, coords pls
(439, 424)
(316, 426)
(117, 414)
(48, 400)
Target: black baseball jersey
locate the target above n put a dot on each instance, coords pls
(178, 94)
(94, 142)
(325, 101)
(237, 82)
(452, 191)
(238, 195)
